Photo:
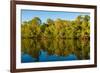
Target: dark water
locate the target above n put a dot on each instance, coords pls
(36, 50)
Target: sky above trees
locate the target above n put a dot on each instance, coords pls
(27, 15)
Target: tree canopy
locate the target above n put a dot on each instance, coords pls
(58, 28)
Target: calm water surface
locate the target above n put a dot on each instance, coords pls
(38, 50)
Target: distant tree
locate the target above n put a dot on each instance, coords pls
(50, 22)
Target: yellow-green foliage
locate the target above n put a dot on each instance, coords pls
(59, 28)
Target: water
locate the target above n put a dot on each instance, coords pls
(45, 50)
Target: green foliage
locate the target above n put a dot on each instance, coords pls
(59, 28)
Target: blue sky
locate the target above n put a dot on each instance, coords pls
(43, 15)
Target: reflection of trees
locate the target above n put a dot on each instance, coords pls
(30, 47)
(82, 49)
(59, 47)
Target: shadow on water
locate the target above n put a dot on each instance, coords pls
(39, 50)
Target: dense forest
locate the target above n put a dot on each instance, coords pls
(79, 28)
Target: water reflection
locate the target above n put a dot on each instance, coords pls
(40, 50)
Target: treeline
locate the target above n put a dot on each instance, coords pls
(59, 28)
